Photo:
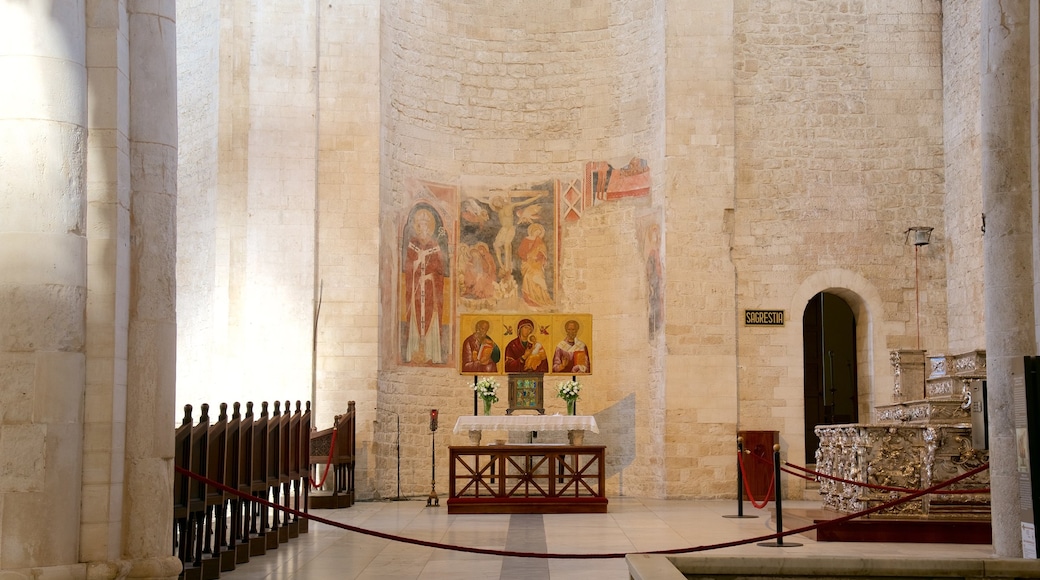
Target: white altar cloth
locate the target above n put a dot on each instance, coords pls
(468, 423)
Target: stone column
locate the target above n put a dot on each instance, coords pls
(108, 273)
(1006, 246)
(151, 353)
(42, 285)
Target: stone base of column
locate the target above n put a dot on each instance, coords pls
(161, 568)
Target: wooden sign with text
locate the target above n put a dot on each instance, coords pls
(763, 318)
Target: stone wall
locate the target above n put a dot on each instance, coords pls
(349, 223)
(790, 146)
(476, 99)
(963, 206)
(247, 252)
(701, 368)
(839, 152)
(198, 87)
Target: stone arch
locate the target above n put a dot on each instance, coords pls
(866, 303)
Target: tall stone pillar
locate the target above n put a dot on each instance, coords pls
(151, 353)
(42, 285)
(1006, 246)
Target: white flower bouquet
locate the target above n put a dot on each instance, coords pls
(487, 390)
(568, 390)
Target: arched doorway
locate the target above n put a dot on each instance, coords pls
(829, 354)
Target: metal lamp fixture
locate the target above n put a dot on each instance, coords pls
(922, 236)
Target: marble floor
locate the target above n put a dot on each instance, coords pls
(631, 525)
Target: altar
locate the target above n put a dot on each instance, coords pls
(526, 478)
(574, 425)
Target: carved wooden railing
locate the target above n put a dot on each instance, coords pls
(527, 479)
(333, 450)
(263, 458)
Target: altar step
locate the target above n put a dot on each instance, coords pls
(913, 531)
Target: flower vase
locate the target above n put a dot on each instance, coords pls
(570, 407)
(487, 406)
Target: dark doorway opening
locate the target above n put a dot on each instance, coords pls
(829, 352)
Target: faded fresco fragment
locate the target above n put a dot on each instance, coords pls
(649, 231)
(604, 182)
(425, 297)
(572, 199)
(507, 254)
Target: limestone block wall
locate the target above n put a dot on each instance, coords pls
(348, 221)
(198, 96)
(789, 144)
(476, 98)
(701, 419)
(838, 152)
(963, 174)
(249, 254)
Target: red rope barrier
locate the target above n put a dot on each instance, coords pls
(763, 460)
(747, 488)
(880, 487)
(332, 450)
(491, 552)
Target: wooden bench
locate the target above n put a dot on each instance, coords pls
(333, 450)
(261, 457)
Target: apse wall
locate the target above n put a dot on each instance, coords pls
(839, 152)
(247, 212)
(523, 102)
(198, 92)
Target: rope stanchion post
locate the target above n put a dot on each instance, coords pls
(433, 500)
(740, 482)
(778, 501)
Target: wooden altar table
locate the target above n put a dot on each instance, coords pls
(574, 425)
(526, 479)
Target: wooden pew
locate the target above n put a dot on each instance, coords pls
(238, 547)
(291, 453)
(182, 490)
(263, 458)
(216, 531)
(258, 518)
(274, 476)
(245, 485)
(197, 494)
(304, 482)
(339, 454)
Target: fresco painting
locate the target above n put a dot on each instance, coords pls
(648, 228)
(604, 182)
(425, 302)
(487, 249)
(508, 248)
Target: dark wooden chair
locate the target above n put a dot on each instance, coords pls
(197, 494)
(274, 477)
(216, 529)
(291, 455)
(182, 490)
(238, 547)
(304, 482)
(259, 518)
